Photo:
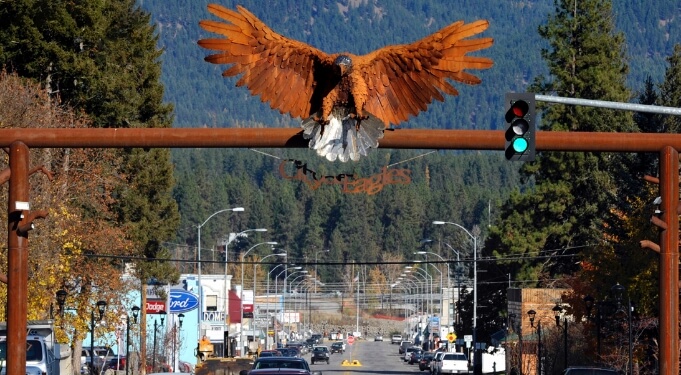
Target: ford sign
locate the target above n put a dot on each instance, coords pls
(182, 301)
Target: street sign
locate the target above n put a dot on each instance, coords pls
(468, 338)
(351, 340)
(451, 337)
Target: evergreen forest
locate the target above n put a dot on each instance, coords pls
(565, 220)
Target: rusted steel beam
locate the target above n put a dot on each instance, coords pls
(292, 138)
(669, 262)
(17, 259)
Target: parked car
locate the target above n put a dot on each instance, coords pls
(404, 344)
(436, 362)
(115, 363)
(378, 338)
(279, 366)
(424, 363)
(320, 354)
(338, 347)
(410, 350)
(453, 363)
(588, 371)
(415, 356)
(102, 354)
(396, 339)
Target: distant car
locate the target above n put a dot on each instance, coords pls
(404, 344)
(378, 338)
(279, 366)
(270, 353)
(415, 357)
(320, 354)
(410, 350)
(424, 363)
(338, 347)
(396, 339)
(588, 371)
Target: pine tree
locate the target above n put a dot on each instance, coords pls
(101, 58)
(570, 207)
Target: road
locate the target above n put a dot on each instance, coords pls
(375, 357)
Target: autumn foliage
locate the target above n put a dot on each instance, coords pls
(76, 247)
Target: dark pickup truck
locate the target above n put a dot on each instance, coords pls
(320, 354)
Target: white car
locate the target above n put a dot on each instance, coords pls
(454, 363)
(409, 351)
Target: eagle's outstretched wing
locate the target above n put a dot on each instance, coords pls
(288, 74)
(401, 80)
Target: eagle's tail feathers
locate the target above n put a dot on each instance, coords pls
(342, 137)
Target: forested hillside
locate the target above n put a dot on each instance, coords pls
(462, 185)
(203, 98)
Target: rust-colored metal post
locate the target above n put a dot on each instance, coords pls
(669, 262)
(17, 260)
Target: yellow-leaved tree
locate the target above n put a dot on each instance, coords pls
(77, 248)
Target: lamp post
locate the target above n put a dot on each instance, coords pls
(511, 361)
(618, 290)
(276, 309)
(438, 270)
(233, 237)
(156, 325)
(135, 314)
(475, 280)
(241, 302)
(299, 270)
(198, 258)
(589, 303)
(101, 307)
(557, 311)
(268, 302)
(315, 265)
(180, 319)
(532, 315)
(282, 254)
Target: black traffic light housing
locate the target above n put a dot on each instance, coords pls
(521, 126)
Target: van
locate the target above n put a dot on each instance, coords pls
(43, 355)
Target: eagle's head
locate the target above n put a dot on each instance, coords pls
(344, 63)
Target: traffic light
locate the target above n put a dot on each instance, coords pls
(520, 126)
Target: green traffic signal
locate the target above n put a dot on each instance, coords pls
(520, 145)
(520, 126)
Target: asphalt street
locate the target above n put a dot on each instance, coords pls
(375, 358)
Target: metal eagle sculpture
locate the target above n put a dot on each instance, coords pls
(345, 101)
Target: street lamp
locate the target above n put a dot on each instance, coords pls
(589, 304)
(282, 254)
(299, 270)
(180, 319)
(315, 266)
(617, 291)
(135, 314)
(232, 237)
(475, 279)
(241, 302)
(532, 314)
(162, 314)
(557, 311)
(198, 258)
(438, 270)
(101, 307)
